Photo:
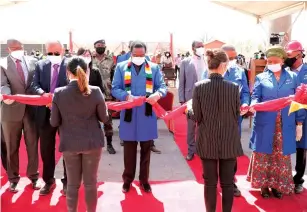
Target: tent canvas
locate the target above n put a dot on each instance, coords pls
(264, 9)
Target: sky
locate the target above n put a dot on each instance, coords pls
(123, 20)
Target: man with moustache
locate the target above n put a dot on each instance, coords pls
(106, 66)
(50, 73)
(16, 76)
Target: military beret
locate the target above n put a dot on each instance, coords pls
(102, 41)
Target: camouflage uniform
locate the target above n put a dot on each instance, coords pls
(106, 68)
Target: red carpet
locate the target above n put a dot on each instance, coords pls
(136, 201)
(293, 203)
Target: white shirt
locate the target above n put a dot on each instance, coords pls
(200, 66)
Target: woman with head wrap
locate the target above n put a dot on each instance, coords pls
(274, 134)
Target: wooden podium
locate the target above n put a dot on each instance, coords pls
(257, 66)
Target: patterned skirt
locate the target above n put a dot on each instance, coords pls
(272, 170)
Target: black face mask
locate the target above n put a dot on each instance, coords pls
(100, 50)
(290, 61)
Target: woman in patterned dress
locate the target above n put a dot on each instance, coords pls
(274, 136)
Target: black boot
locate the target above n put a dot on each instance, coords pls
(110, 147)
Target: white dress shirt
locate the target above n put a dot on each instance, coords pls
(200, 66)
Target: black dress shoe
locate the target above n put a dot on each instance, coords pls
(110, 149)
(189, 157)
(236, 191)
(121, 143)
(298, 188)
(155, 150)
(36, 185)
(47, 189)
(146, 187)
(276, 193)
(126, 187)
(265, 193)
(13, 187)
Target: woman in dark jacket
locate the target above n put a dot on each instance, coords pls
(216, 107)
(77, 109)
(94, 74)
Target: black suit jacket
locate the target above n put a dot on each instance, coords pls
(96, 79)
(77, 117)
(41, 85)
(216, 107)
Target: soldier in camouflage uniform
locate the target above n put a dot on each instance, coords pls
(106, 66)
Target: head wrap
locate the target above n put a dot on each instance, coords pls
(276, 51)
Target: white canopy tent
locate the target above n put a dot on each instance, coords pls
(265, 10)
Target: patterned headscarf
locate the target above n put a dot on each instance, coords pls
(276, 51)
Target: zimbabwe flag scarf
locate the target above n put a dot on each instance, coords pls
(148, 86)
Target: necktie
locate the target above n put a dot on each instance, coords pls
(54, 80)
(20, 70)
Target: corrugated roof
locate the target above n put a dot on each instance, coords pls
(264, 9)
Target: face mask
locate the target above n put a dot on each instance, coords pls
(138, 60)
(200, 52)
(100, 50)
(18, 54)
(290, 61)
(274, 67)
(55, 59)
(232, 63)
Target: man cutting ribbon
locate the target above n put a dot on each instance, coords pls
(132, 79)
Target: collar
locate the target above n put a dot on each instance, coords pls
(215, 76)
(72, 80)
(299, 68)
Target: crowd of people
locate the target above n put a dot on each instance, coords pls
(215, 81)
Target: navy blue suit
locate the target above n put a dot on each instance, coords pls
(47, 133)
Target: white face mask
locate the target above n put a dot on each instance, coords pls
(274, 67)
(18, 54)
(138, 60)
(55, 59)
(200, 51)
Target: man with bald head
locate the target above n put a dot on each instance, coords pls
(16, 77)
(191, 71)
(237, 75)
(50, 73)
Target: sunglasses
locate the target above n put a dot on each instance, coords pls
(53, 54)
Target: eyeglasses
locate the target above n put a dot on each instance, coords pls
(53, 53)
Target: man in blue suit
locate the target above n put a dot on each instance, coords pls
(295, 53)
(49, 74)
(237, 75)
(125, 57)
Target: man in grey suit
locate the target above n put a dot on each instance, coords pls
(191, 70)
(16, 77)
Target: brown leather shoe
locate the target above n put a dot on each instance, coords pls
(47, 189)
(155, 150)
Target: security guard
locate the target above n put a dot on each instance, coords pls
(106, 66)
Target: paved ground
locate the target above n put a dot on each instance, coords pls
(170, 165)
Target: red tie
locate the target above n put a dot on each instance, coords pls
(20, 70)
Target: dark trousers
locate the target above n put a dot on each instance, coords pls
(12, 135)
(177, 69)
(235, 171)
(108, 128)
(3, 151)
(300, 166)
(82, 165)
(130, 154)
(47, 135)
(224, 170)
